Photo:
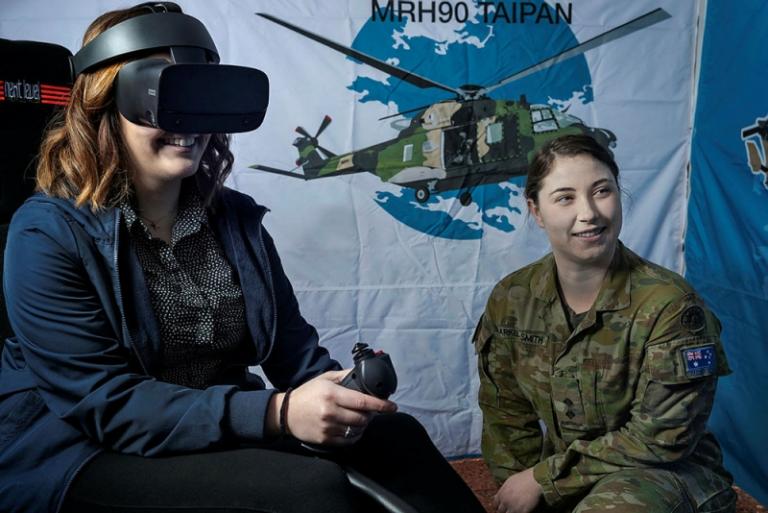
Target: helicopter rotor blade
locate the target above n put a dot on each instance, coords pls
(396, 114)
(760, 129)
(328, 154)
(402, 74)
(303, 132)
(323, 125)
(641, 22)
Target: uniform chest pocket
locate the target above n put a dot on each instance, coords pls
(489, 390)
(574, 402)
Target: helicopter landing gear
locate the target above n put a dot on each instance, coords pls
(465, 198)
(422, 194)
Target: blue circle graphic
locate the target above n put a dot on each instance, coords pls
(483, 53)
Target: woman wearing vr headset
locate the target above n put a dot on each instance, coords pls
(140, 289)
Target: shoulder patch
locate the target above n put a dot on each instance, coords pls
(699, 361)
(692, 318)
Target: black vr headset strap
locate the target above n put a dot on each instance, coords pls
(146, 32)
(159, 7)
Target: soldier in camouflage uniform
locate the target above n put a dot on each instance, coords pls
(605, 410)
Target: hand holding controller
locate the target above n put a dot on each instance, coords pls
(373, 373)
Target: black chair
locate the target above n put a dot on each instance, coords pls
(5, 328)
(35, 79)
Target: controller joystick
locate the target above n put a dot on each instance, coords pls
(373, 373)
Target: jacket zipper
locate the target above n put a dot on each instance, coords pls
(271, 290)
(118, 290)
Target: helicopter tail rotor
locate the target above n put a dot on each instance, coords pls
(323, 125)
(313, 138)
(300, 130)
(310, 150)
(328, 154)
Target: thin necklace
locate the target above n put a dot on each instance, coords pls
(155, 224)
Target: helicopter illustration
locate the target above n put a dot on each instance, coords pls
(454, 144)
(756, 157)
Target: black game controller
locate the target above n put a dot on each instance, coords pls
(373, 373)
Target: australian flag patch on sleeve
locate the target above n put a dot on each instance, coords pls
(699, 361)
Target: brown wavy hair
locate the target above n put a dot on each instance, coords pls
(83, 156)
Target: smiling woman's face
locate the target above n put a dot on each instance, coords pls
(157, 156)
(579, 206)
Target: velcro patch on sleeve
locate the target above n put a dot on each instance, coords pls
(693, 318)
(699, 361)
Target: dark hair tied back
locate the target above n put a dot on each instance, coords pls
(565, 146)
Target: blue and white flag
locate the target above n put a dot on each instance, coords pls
(396, 246)
(727, 239)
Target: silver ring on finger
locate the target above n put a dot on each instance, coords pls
(348, 432)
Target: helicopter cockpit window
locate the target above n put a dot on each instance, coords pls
(543, 120)
(494, 133)
(565, 120)
(408, 152)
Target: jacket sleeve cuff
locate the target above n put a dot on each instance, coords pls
(548, 489)
(247, 414)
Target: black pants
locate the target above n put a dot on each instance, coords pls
(283, 477)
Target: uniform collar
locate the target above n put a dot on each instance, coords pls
(614, 292)
(543, 284)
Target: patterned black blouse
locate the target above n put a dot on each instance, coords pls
(194, 292)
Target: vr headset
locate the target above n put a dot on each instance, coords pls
(185, 90)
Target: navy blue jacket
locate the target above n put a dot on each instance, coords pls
(77, 377)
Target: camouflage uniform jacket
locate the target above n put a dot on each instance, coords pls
(630, 387)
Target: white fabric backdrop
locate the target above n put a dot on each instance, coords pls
(361, 274)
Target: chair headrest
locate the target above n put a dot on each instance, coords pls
(35, 80)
